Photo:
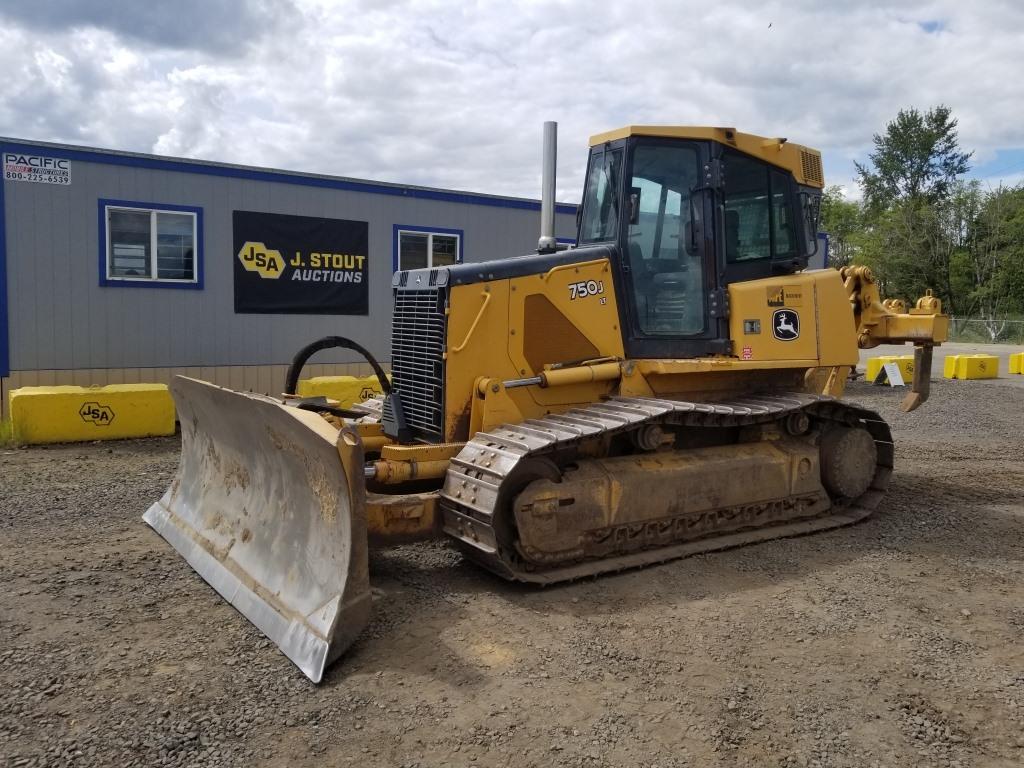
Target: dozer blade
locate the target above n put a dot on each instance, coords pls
(268, 506)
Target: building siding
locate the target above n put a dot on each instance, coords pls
(61, 319)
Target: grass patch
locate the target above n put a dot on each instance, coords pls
(6, 433)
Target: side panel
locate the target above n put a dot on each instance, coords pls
(805, 318)
(477, 328)
(837, 344)
(582, 308)
(581, 315)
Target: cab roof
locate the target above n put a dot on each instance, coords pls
(803, 162)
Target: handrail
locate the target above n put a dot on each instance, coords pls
(577, 265)
(465, 341)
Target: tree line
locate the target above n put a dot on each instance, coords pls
(921, 224)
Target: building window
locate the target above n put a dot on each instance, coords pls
(150, 244)
(425, 247)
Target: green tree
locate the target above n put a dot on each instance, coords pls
(842, 220)
(917, 210)
(996, 258)
(922, 226)
(917, 158)
(914, 245)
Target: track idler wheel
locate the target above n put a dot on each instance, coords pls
(848, 458)
(528, 471)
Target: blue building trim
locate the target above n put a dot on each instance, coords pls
(435, 230)
(5, 351)
(101, 222)
(823, 236)
(252, 174)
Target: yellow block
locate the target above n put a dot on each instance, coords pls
(75, 414)
(1017, 363)
(345, 389)
(949, 366)
(905, 362)
(971, 367)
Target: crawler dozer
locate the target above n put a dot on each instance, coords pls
(670, 385)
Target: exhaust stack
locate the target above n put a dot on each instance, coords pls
(547, 242)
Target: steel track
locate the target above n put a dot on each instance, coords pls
(471, 497)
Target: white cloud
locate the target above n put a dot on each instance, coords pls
(453, 94)
(1006, 180)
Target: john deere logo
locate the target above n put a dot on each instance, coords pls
(266, 262)
(785, 325)
(94, 413)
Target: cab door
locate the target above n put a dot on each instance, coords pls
(669, 276)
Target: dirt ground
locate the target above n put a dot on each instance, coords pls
(896, 642)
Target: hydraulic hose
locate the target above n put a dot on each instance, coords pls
(331, 342)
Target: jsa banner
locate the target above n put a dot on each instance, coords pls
(300, 264)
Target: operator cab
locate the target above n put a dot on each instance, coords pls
(690, 210)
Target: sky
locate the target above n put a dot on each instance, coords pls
(454, 94)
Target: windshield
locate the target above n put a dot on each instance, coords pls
(664, 258)
(600, 197)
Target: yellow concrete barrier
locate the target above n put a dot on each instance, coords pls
(949, 366)
(971, 367)
(345, 389)
(74, 414)
(905, 362)
(1017, 363)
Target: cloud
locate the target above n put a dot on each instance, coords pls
(453, 94)
(217, 26)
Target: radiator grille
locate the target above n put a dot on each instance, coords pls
(811, 166)
(417, 359)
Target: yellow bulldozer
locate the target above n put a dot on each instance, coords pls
(670, 385)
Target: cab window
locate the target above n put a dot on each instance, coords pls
(600, 198)
(758, 218)
(665, 268)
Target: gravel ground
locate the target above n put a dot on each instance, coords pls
(896, 642)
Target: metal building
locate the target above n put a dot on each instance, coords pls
(118, 267)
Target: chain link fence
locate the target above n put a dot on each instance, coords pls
(978, 331)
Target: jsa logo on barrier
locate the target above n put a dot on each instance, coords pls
(95, 413)
(266, 262)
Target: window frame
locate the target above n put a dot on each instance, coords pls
(620, 154)
(107, 280)
(778, 176)
(774, 175)
(704, 257)
(430, 231)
